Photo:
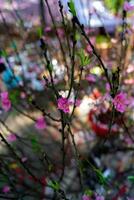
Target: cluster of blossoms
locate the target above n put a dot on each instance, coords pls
(5, 101)
(127, 6)
(121, 102)
(64, 104)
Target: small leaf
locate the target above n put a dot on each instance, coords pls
(101, 178)
(83, 58)
(88, 192)
(35, 144)
(131, 178)
(49, 67)
(3, 53)
(50, 167)
(14, 96)
(55, 185)
(39, 32)
(72, 7)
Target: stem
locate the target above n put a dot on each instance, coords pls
(94, 51)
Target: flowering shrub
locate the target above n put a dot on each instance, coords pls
(76, 86)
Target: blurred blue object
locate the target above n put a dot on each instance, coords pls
(11, 81)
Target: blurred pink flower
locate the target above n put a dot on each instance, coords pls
(11, 138)
(91, 78)
(23, 95)
(89, 49)
(24, 159)
(121, 102)
(63, 104)
(4, 95)
(85, 197)
(128, 141)
(48, 29)
(127, 6)
(40, 123)
(6, 103)
(60, 32)
(107, 87)
(78, 102)
(6, 189)
(1, 60)
(98, 197)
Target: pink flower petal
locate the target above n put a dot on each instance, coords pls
(91, 78)
(6, 105)
(24, 159)
(63, 104)
(6, 189)
(121, 102)
(40, 123)
(4, 95)
(127, 6)
(85, 197)
(11, 138)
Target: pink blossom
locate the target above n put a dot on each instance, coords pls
(121, 102)
(89, 49)
(6, 103)
(1, 60)
(6, 189)
(128, 7)
(4, 95)
(23, 95)
(63, 104)
(24, 159)
(107, 87)
(78, 102)
(128, 141)
(85, 197)
(40, 123)
(98, 197)
(60, 32)
(11, 137)
(48, 29)
(91, 78)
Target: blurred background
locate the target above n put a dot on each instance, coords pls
(109, 171)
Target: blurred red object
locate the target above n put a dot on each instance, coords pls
(99, 123)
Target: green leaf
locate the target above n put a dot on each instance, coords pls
(101, 178)
(131, 178)
(55, 185)
(77, 36)
(4, 53)
(72, 7)
(50, 167)
(39, 32)
(88, 192)
(84, 60)
(49, 67)
(35, 144)
(14, 96)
